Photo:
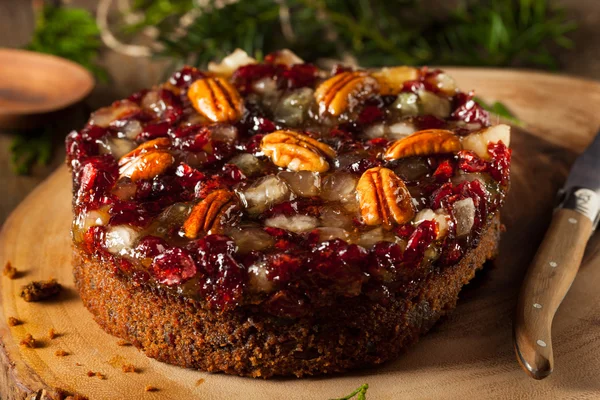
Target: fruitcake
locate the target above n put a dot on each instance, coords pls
(273, 218)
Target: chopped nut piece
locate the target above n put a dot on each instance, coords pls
(384, 198)
(9, 271)
(40, 290)
(28, 341)
(52, 333)
(424, 143)
(12, 321)
(150, 388)
(128, 368)
(209, 215)
(216, 99)
(344, 91)
(61, 353)
(296, 151)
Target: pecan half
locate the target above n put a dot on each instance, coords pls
(148, 160)
(383, 198)
(210, 213)
(391, 80)
(216, 99)
(424, 143)
(344, 91)
(296, 151)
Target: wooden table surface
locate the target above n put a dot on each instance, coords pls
(128, 75)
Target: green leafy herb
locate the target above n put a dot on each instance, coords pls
(360, 393)
(375, 32)
(71, 33)
(27, 151)
(500, 110)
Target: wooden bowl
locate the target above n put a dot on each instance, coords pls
(33, 83)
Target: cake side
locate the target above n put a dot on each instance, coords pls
(353, 333)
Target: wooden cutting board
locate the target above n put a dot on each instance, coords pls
(469, 355)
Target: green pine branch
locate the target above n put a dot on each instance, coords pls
(376, 32)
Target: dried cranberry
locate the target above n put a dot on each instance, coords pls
(500, 164)
(153, 131)
(174, 107)
(451, 253)
(444, 171)
(138, 96)
(96, 176)
(188, 177)
(151, 246)
(253, 145)
(282, 267)
(421, 238)
(78, 147)
(246, 75)
(360, 166)
(338, 265)
(232, 174)
(303, 206)
(200, 141)
(224, 278)
(385, 262)
(428, 122)
(370, 114)
(300, 75)
(130, 213)
(467, 110)
(174, 266)
(339, 68)
(185, 77)
(441, 194)
(93, 240)
(468, 161)
(205, 187)
(94, 132)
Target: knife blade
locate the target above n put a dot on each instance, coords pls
(556, 263)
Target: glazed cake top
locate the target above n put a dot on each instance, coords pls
(280, 184)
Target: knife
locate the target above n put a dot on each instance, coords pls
(556, 263)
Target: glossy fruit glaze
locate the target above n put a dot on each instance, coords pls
(291, 240)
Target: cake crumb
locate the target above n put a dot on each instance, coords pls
(12, 321)
(128, 368)
(122, 342)
(98, 375)
(52, 334)
(28, 341)
(78, 364)
(200, 381)
(61, 353)
(150, 388)
(9, 271)
(40, 290)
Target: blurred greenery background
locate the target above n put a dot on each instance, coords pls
(555, 35)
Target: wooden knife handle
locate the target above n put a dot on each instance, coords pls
(547, 281)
